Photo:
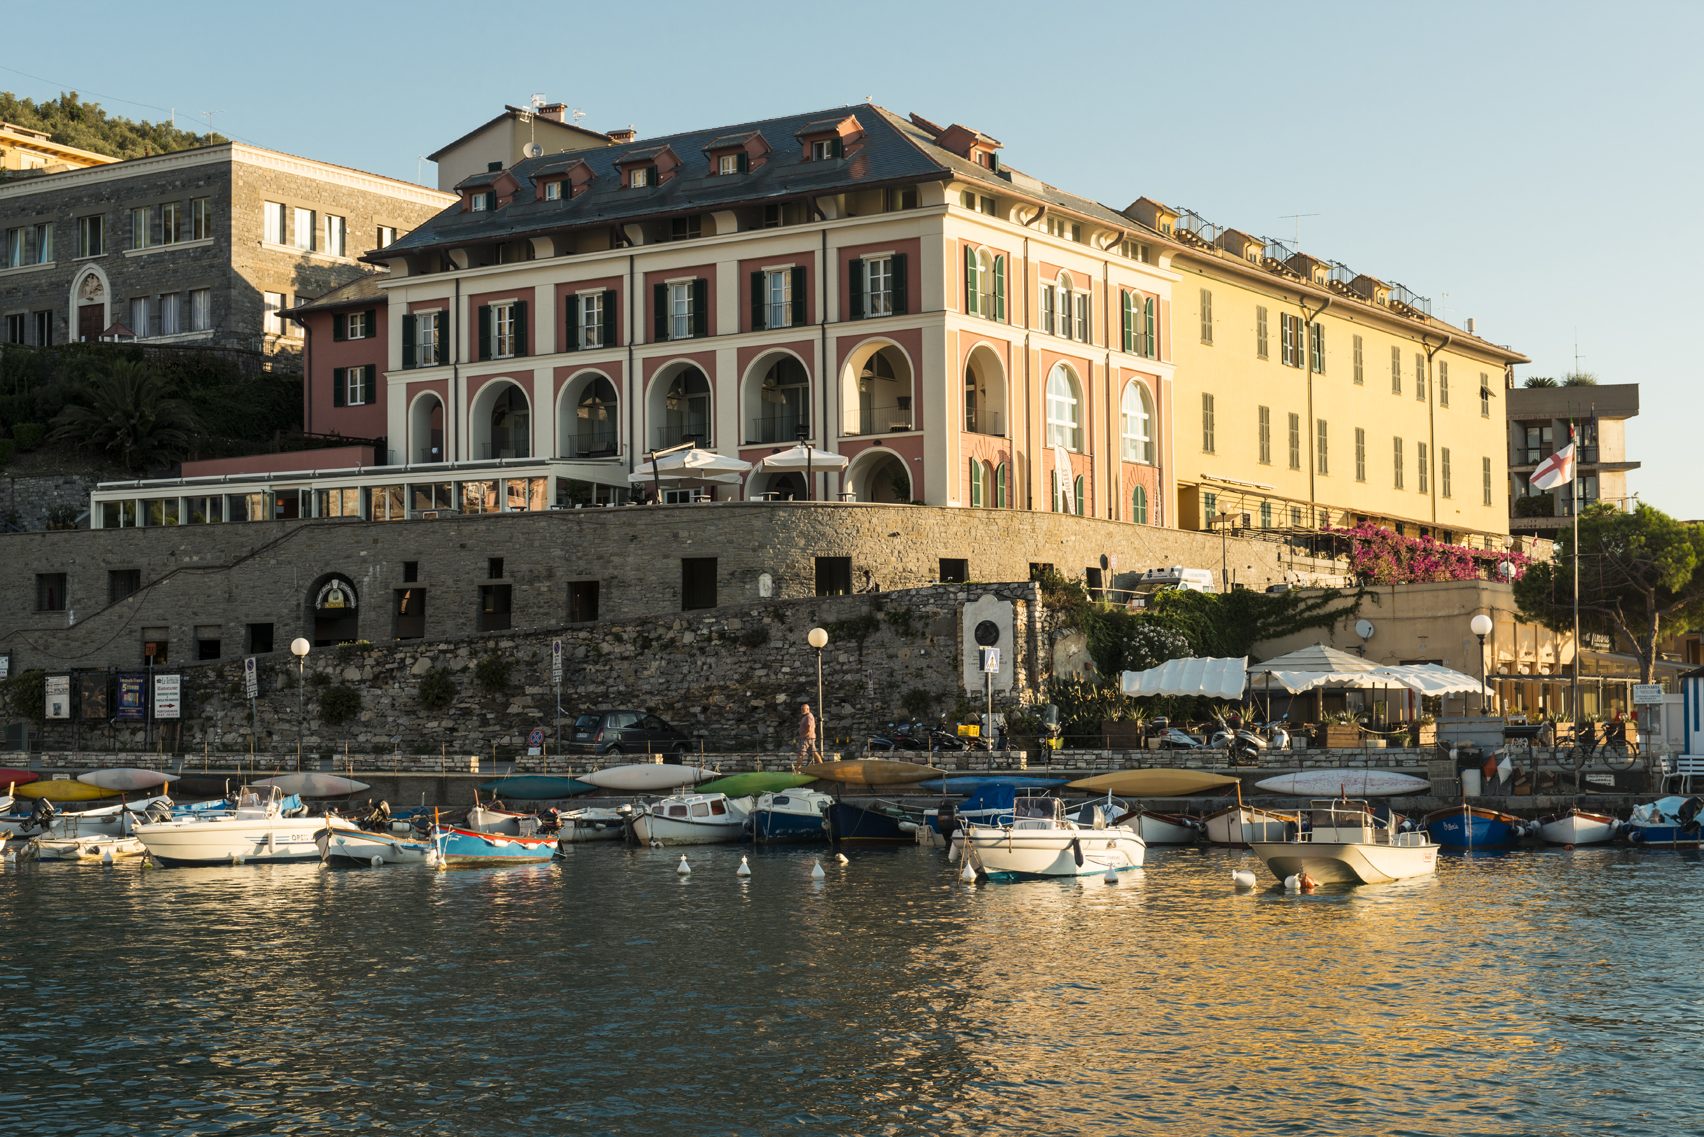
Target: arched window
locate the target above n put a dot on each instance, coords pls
(1064, 425)
(987, 483)
(1138, 415)
(1000, 475)
(1077, 494)
(1139, 505)
(976, 486)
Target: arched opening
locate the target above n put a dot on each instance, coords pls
(502, 421)
(1002, 474)
(588, 418)
(777, 401)
(426, 429)
(978, 485)
(1137, 425)
(679, 407)
(984, 393)
(876, 391)
(778, 485)
(1139, 506)
(332, 608)
(91, 306)
(879, 475)
(1064, 409)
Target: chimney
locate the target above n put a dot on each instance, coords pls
(623, 136)
(555, 112)
(1470, 325)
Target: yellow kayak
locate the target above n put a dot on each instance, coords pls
(871, 772)
(1153, 783)
(62, 789)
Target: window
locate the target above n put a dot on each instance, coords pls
(1485, 478)
(730, 164)
(42, 325)
(1360, 376)
(1316, 347)
(1289, 340)
(1080, 326)
(1000, 484)
(43, 243)
(200, 219)
(386, 235)
(494, 568)
(272, 323)
(336, 235)
(200, 309)
(139, 316)
(1295, 441)
(880, 282)
(1048, 307)
(1484, 395)
(1295, 517)
(1260, 331)
(171, 313)
(207, 642)
(1064, 427)
(985, 284)
(1444, 480)
(688, 228)
(1137, 413)
(91, 236)
(1139, 505)
(1420, 376)
(582, 601)
(1265, 439)
(1210, 506)
(141, 227)
(503, 343)
(553, 190)
(1077, 496)
(954, 570)
(778, 297)
(171, 218)
(50, 592)
(272, 222)
(697, 583)
(978, 488)
(1207, 433)
(1360, 454)
(1422, 467)
(1322, 452)
(353, 386)
(305, 229)
(1206, 316)
(359, 325)
(1139, 338)
(420, 338)
(1443, 383)
(680, 309)
(1396, 469)
(590, 324)
(1266, 515)
(15, 248)
(834, 576)
(496, 608)
(122, 583)
(1396, 371)
(640, 177)
(15, 327)
(825, 148)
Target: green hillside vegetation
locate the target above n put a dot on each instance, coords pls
(87, 126)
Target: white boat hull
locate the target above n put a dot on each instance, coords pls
(1579, 829)
(343, 840)
(1156, 830)
(1014, 853)
(654, 830)
(1344, 782)
(1349, 862)
(86, 848)
(594, 823)
(232, 840)
(504, 821)
(646, 777)
(1244, 827)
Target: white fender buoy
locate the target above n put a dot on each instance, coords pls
(1111, 876)
(744, 869)
(431, 856)
(106, 857)
(683, 868)
(816, 871)
(1242, 878)
(1293, 883)
(236, 858)
(952, 852)
(840, 859)
(968, 873)
(376, 861)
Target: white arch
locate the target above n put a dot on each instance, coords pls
(767, 422)
(598, 435)
(1136, 423)
(870, 404)
(1064, 408)
(516, 439)
(866, 479)
(421, 447)
(105, 299)
(694, 417)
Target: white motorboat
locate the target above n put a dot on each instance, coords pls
(99, 849)
(1343, 844)
(103, 821)
(1041, 841)
(593, 823)
(1578, 827)
(509, 822)
(791, 815)
(692, 819)
(340, 838)
(1246, 824)
(1165, 828)
(257, 829)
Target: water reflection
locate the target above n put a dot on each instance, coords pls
(1527, 992)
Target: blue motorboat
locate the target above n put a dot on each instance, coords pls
(1667, 823)
(968, 784)
(990, 805)
(469, 847)
(791, 815)
(871, 821)
(1475, 827)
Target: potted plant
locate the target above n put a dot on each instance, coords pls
(1340, 731)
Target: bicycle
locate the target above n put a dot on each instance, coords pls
(1614, 749)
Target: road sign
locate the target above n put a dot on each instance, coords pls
(1647, 694)
(168, 696)
(535, 737)
(556, 661)
(991, 660)
(251, 677)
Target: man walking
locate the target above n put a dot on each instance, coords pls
(807, 736)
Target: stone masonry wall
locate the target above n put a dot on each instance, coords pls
(27, 501)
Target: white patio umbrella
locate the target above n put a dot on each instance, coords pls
(1216, 678)
(806, 459)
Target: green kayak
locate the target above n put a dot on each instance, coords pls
(758, 782)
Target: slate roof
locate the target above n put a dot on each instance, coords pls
(362, 288)
(893, 151)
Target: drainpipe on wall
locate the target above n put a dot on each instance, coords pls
(1311, 428)
(454, 402)
(820, 427)
(1029, 439)
(634, 449)
(1431, 424)
(1115, 452)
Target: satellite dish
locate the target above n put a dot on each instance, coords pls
(1364, 629)
(534, 150)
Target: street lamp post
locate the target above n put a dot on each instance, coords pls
(1480, 625)
(300, 647)
(818, 638)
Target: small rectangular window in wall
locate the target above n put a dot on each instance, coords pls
(122, 583)
(408, 620)
(259, 639)
(495, 607)
(207, 642)
(582, 601)
(50, 592)
(833, 576)
(410, 571)
(494, 568)
(955, 570)
(697, 583)
(1039, 570)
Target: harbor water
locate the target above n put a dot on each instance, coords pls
(1536, 992)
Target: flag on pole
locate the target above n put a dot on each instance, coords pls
(1556, 470)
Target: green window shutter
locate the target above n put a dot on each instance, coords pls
(338, 392)
(972, 302)
(484, 332)
(339, 326)
(855, 289)
(572, 311)
(609, 325)
(521, 328)
(745, 162)
(838, 147)
(900, 288)
(407, 340)
(1151, 341)
(659, 312)
(1129, 317)
(758, 323)
(372, 321)
(700, 307)
(1000, 289)
(800, 309)
(975, 483)
(370, 381)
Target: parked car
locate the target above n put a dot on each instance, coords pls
(626, 732)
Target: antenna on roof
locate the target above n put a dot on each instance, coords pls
(1297, 218)
(578, 114)
(537, 100)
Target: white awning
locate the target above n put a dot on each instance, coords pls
(1217, 678)
(1320, 666)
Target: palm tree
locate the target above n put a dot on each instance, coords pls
(130, 415)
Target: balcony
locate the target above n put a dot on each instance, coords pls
(884, 418)
(983, 422)
(783, 426)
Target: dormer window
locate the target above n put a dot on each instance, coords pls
(823, 149)
(481, 201)
(731, 163)
(641, 177)
(553, 191)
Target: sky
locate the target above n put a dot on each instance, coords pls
(1533, 165)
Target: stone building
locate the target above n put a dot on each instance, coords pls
(199, 247)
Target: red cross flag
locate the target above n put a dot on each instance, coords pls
(1555, 470)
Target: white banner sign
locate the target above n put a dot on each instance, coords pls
(1647, 694)
(556, 661)
(168, 696)
(251, 678)
(59, 696)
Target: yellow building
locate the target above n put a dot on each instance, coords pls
(1309, 396)
(23, 150)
